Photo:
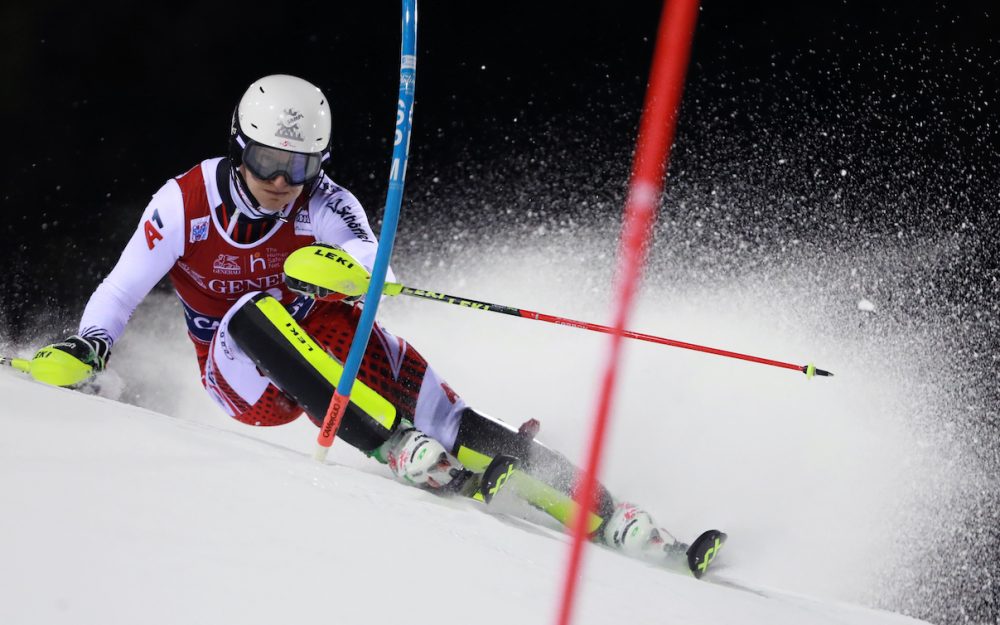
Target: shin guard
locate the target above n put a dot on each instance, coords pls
(551, 479)
(300, 367)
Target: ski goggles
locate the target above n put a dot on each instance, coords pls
(267, 163)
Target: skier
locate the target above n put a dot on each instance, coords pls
(264, 329)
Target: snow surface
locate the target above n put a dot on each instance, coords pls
(117, 514)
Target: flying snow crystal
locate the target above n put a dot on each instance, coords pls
(866, 306)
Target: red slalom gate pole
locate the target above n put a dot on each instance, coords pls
(656, 134)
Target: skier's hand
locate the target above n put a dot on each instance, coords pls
(71, 361)
(326, 272)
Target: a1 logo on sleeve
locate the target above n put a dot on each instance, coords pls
(152, 234)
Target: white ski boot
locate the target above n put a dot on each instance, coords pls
(632, 530)
(418, 459)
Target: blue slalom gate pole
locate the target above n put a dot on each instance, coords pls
(394, 197)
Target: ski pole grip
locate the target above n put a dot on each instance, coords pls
(17, 363)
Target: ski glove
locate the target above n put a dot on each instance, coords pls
(326, 272)
(71, 361)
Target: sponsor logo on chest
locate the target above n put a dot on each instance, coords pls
(245, 285)
(199, 229)
(197, 277)
(264, 260)
(259, 270)
(227, 264)
(303, 225)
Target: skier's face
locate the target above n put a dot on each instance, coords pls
(273, 194)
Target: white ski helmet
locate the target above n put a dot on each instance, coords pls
(281, 127)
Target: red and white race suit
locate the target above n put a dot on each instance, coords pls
(185, 233)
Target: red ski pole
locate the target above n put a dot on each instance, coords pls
(398, 289)
(353, 283)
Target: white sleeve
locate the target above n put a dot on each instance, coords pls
(337, 218)
(152, 251)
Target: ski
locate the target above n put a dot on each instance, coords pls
(704, 550)
(504, 471)
(486, 485)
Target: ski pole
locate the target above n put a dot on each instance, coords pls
(347, 278)
(387, 235)
(17, 363)
(398, 289)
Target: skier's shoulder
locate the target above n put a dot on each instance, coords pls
(202, 170)
(198, 179)
(337, 215)
(330, 196)
(201, 179)
(195, 191)
(182, 198)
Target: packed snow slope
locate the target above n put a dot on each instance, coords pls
(844, 489)
(117, 514)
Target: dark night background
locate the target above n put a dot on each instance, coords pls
(846, 123)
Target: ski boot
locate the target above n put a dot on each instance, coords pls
(418, 459)
(422, 461)
(633, 531)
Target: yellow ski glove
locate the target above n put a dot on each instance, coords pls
(326, 272)
(71, 361)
